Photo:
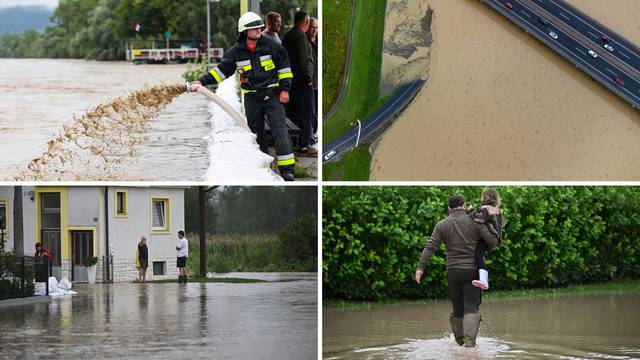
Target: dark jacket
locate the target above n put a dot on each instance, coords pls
(143, 252)
(491, 216)
(314, 52)
(460, 235)
(300, 54)
(266, 67)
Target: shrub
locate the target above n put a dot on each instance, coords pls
(554, 236)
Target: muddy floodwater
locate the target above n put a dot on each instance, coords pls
(273, 320)
(500, 105)
(39, 96)
(572, 327)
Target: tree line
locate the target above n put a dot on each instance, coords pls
(101, 29)
(553, 236)
(250, 209)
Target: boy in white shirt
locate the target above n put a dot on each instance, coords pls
(182, 251)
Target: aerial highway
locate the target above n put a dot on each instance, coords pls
(604, 55)
(374, 123)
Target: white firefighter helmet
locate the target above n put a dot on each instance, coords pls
(249, 20)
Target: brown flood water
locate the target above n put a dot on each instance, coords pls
(581, 326)
(499, 105)
(39, 97)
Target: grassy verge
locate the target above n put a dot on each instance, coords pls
(241, 253)
(195, 279)
(364, 74)
(353, 166)
(629, 286)
(335, 35)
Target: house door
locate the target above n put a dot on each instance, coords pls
(50, 228)
(81, 247)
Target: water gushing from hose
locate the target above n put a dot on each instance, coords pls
(93, 146)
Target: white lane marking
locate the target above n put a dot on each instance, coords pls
(565, 16)
(623, 54)
(586, 63)
(609, 70)
(399, 98)
(592, 34)
(589, 25)
(522, 11)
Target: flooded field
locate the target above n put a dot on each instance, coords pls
(39, 96)
(559, 328)
(499, 105)
(407, 41)
(275, 320)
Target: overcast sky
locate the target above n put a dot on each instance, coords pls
(8, 3)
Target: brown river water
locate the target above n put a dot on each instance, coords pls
(500, 105)
(39, 96)
(571, 327)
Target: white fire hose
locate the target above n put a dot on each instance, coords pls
(223, 104)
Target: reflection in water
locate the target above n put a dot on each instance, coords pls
(215, 320)
(587, 326)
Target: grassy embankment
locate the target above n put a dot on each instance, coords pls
(361, 96)
(629, 286)
(242, 253)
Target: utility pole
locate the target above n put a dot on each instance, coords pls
(202, 205)
(208, 35)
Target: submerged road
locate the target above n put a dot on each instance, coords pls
(604, 55)
(374, 123)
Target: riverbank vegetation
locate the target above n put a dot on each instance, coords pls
(628, 286)
(364, 69)
(101, 29)
(554, 236)
(255, 228)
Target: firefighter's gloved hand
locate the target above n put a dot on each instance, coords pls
(194, 86)
(284, 96)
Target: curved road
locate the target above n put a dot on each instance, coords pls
(373, 123)
(581, 40)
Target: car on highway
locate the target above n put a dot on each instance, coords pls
(329, 155)
(593, 54)
(543, 21)
(553, 35)
(608, 47)
(605, 38)
(508, 5)
(618, 81)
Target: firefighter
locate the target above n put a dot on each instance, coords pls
(265, 80)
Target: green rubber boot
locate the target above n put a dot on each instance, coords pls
(456, 327)
(471, 324)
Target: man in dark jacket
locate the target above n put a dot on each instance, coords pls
(460, 235)
(265, 80)
(300, 110)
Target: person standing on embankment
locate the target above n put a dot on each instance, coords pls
(265, 80)
(460, 235)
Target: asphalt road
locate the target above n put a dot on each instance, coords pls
(369, 126)
(578, 38)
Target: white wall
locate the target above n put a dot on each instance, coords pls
(6, 193)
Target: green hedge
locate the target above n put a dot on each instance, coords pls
(554, 236)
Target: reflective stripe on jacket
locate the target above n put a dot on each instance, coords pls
(264, 68)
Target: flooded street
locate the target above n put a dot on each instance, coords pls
(38, 96)
(579, 326)
(500, 105)
(274, 320)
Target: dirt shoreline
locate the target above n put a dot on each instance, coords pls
(499, 105)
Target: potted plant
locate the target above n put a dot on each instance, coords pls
(90, 263)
